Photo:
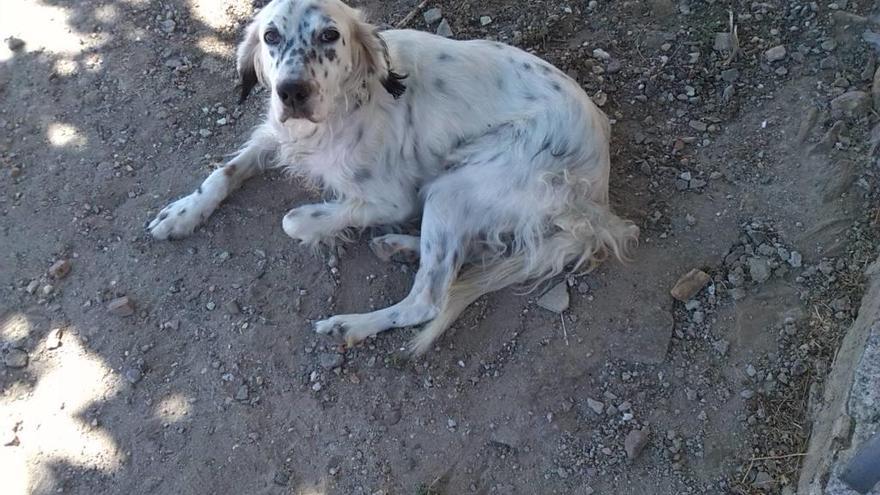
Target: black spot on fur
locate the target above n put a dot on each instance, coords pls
(440, 84)
(163, 216)
(331, 54)
(444, 57)
(499, 81)
(545, 69)
(555, 85)
(530, 97)
(527, 66)
(318, 214)
(181, 212)
(199, 190)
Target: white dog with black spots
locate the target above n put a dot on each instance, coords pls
(504, 157)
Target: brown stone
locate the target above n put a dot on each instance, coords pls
(60, 269)
(121, 306)
(690, 284)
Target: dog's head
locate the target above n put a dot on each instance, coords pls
(312, 55)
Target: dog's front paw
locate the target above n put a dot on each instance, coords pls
(346, 326)
(179, 219)
(309, 224)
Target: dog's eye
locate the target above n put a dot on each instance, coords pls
(272, 37)
(329, 35)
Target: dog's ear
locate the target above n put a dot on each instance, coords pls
(249, 61)
(374, 56)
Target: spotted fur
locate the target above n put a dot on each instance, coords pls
(505, 158)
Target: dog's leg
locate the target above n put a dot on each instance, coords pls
(441, 258)
(387, 246)
(181, 217)
(315, 223)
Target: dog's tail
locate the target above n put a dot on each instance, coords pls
(582, 240)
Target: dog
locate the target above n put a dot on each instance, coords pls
(503, 156)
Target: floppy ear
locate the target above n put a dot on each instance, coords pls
(374, 56)
(249, 61)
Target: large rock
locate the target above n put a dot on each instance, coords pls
(846, 416)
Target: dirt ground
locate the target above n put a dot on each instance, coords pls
(737, 165)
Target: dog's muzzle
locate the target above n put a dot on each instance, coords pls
(295, 95)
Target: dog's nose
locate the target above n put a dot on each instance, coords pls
(294, 92)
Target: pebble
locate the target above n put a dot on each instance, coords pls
(485, 20)
(210, 305)
(433, 15)
(232, 307)
(48, 289)
(751, 371)
(242, 393)
(443, 29)
(330, 360)
(596, 406)
(15, 358)
(133, 375)
(205, 132)
(775, 54)
(555, 299)
(14, 43)
(689, 285)
(168, 25)
(60, 269)
(759, 269)
(121, 306)
(635, 442)
(828, 63)
(828, 45)
(601, 54)
(32, 286)
(53, 340)
(747, 394)
(730, 75)
(795, 259)
(698, 126)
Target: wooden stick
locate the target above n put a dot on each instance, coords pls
(409, 17)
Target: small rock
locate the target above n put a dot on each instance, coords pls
(828, 63)
(828, 45)
(330, 360)
(443, 29)
(762, 480)
(32, 286)
(601, 54)
(555, 299)
(232, 307)
(698, 126)
(738, 293)
(759, 269)
(168, 25)
(690, 284)
(730, 75)
(48, 289)
(15, 358)
(53, 340)
(747, 394)
(596, 406)
(485, 20)
(205, 132)
(721, 346)
(751, 371)
(60, 269)
(853, 103)
(775, 54)
(133, 374)
(432, 15)
(242, 393)
(635, 442)
(795, 259)
(121, 306)
(14, 43)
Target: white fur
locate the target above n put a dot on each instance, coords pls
(505, 158)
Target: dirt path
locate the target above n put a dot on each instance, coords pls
(216, 384)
